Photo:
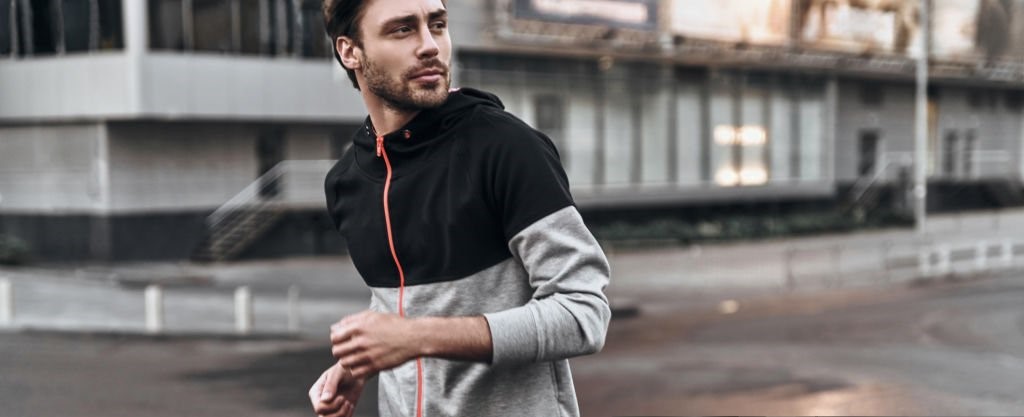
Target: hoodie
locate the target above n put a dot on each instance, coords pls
(481, 222)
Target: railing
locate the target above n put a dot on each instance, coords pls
(287, 183)
(253, 211)
(888, 160)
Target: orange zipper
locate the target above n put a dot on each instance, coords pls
(381, 152)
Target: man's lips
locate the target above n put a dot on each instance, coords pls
(429, 75)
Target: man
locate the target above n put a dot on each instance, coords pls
(458, 216)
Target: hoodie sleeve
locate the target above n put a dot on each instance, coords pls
(568, 314)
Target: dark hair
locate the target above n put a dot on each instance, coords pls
(341, 18)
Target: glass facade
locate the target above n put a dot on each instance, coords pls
(637, 126)
(54, 27)
(251, 27)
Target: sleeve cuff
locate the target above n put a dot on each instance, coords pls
(514, 335)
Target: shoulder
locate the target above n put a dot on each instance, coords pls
(496, 130)
(342, 166)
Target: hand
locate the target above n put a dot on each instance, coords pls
(335, 393)
(370, 342)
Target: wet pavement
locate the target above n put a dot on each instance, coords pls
(947, 348)
(721, 329)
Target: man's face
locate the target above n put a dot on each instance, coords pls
(406, 52)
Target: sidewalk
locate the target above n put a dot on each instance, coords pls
(199, 298)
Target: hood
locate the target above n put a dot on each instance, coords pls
(428, 127)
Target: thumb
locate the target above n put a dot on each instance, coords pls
(331, 384)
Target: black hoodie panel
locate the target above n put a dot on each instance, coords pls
(467, 177)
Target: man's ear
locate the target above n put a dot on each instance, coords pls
(346, 48)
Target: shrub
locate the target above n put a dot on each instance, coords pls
(13, 251)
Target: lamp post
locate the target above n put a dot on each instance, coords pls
(921, 123)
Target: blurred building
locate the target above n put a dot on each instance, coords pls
(125, 124)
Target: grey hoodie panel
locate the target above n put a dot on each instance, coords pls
(568, 314)
(543, 305)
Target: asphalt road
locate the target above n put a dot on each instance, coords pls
(953, 348)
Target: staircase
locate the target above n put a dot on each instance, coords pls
(867, 192)
(244, 219)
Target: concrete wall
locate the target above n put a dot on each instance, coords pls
(167, 166)
(73, 86)
(996, 126)
(52, 168)
(307, 143)
(893, 118)
(204, 86)
(164, 85)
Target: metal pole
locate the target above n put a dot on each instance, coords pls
(921, 123)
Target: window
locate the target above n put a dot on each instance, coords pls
(315, 42)
(282, 27)
(723, 139)
(212, 26)
(752, 138)
(970, 146)
(75, 18)
(250, 29)
(269, 152)
(7, 27)
(42, 30)
(111, 31)
(166, 27)
(265, 27)
(549, 114)
(47, 27)
(949, 154)
(867, 163)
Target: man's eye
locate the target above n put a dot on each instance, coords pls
(402, 29)
(440, 25)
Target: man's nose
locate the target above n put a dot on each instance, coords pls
(428, 45)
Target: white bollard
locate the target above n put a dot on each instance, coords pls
(154, 309)
(981, 256)
(294, 320)
(243, 310)
(943, 266)
(1007, 253)
(6, 302)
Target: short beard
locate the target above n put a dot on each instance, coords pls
(398, 95)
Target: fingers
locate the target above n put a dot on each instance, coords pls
(316, 389)
(340, 333)
(363, 372)
(331, 383)
(346, 327)
(345, 410)
(344, 349)
(335, 407)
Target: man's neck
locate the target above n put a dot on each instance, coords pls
(385, 118)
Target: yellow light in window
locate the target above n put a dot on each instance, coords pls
(753, 176)
(725, 135)
(753, 136)
(727, 177)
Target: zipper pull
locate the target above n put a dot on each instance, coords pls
(380, 145)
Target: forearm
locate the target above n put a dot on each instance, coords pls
(455, 338)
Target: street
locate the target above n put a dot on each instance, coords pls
(945, 348)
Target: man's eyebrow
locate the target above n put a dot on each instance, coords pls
(412, 18)
(437, 14)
